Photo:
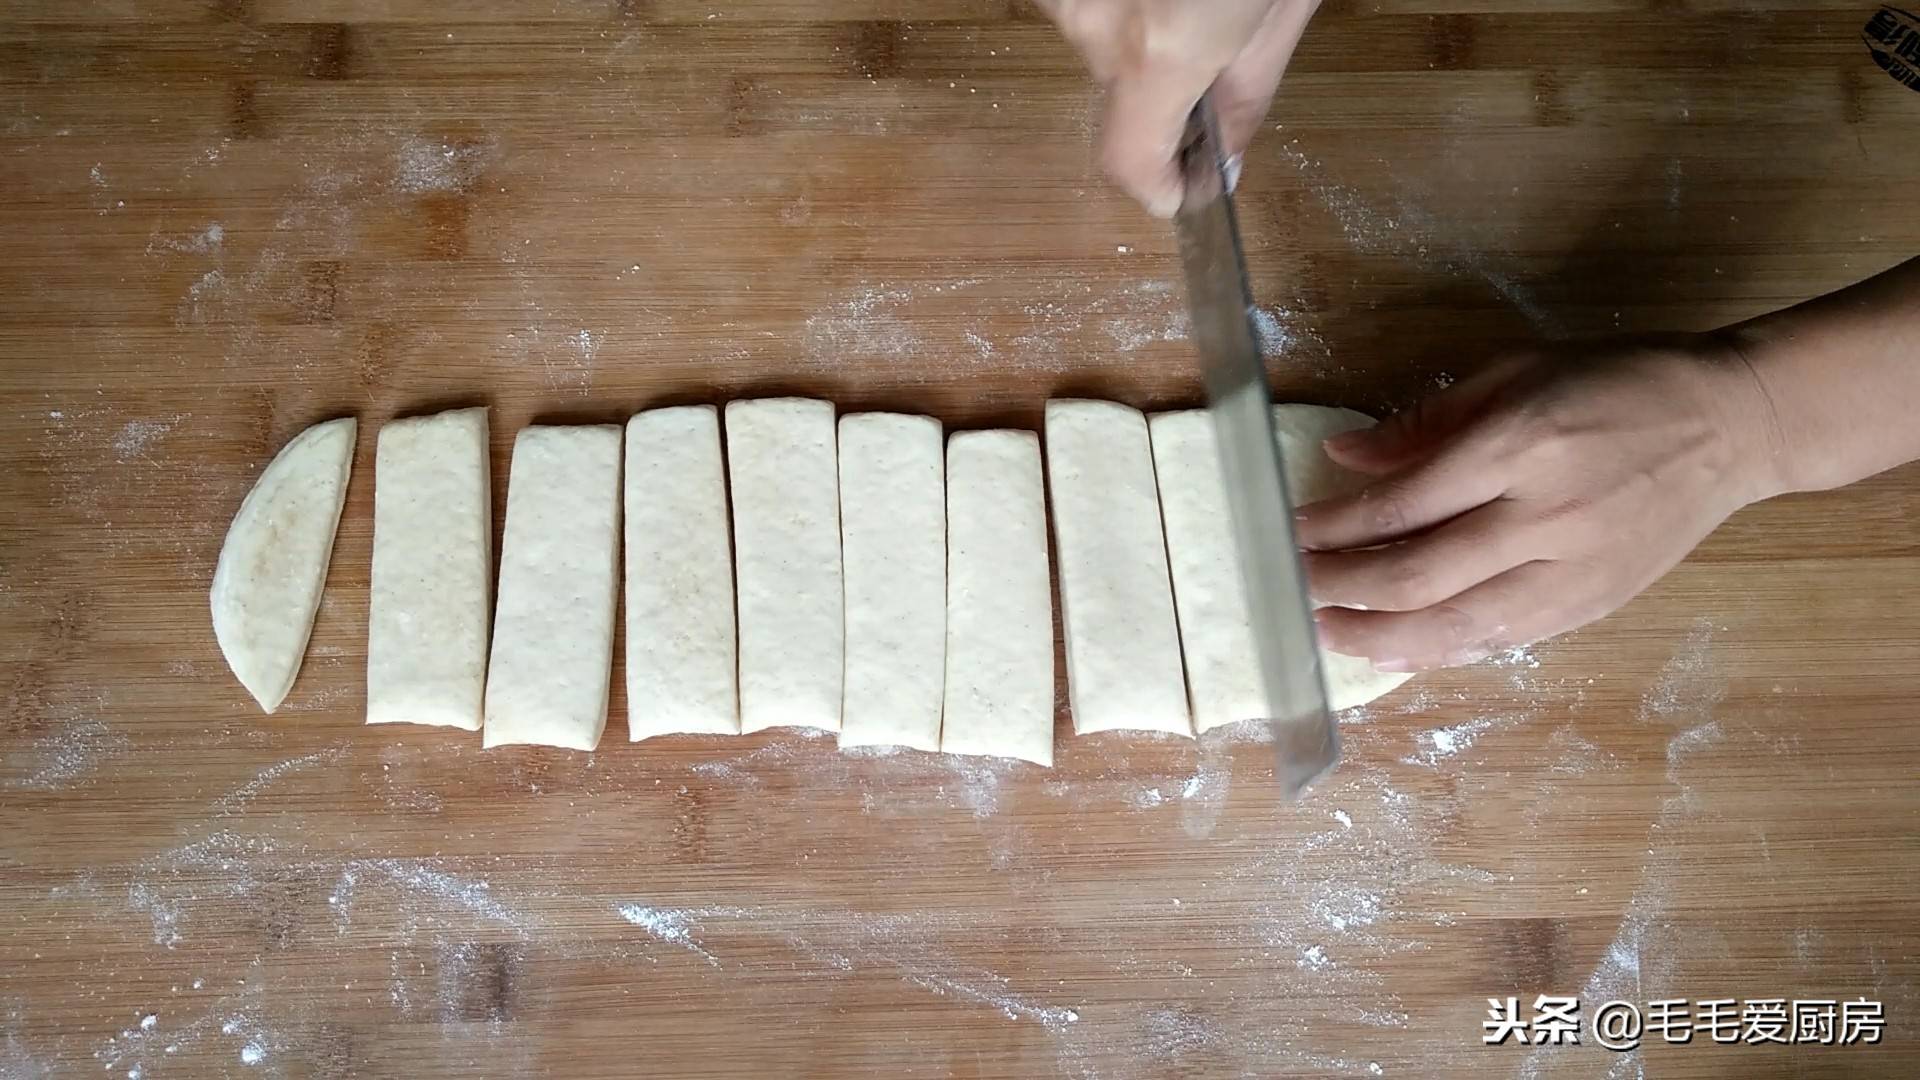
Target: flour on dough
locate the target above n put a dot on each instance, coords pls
(893, 530)
(431, 592)
(999, 686)
(786, 543)
(1116, 604)
(680, 651)
(266, 587)
(553, 624)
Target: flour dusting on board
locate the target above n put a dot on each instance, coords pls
(1053, 324)
(205, 241)
(847, 942)
(1638, 964)
(668, 926)
(77, 742)
(1445, 742)
(240, 796)
(1413, 233)
(432, 166)
(871, 322)
(1688, 684)
(136, 438)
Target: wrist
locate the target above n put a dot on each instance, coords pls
(1745, 405)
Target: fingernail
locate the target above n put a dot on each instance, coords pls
(1232, 169)
(1346, 438)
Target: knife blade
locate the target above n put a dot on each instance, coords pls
(1281, 615)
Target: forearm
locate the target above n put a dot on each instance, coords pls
(1841, 378)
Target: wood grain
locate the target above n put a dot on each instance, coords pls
(224, 221)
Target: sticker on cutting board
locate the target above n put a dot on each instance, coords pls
(1893, 39)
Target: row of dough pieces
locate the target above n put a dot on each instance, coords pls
(882, 589)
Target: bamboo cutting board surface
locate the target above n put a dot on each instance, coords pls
(222, 222)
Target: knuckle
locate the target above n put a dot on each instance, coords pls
(1407, 585)
(1454, 627)
(1384, 509)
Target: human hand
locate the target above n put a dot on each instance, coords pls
(1156, 57)
(1535, 497)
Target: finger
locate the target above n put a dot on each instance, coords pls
(1426, 569)
(1244, 91)
(1461, 477)
(1412, 433)
(1145, 120)
(1527, 603)
(1097, 29)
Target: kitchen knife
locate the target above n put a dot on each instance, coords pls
(1281, 614)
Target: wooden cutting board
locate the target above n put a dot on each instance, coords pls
(223, 222)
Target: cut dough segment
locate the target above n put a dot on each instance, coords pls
(1123, 649)
(428, 604)
(1223, 672)
(893, 533)
(1312, 476)
(680, 652)
(786, 538)
(999, 685)
(266, 586)
(553, 627)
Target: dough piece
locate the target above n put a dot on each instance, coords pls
(553, 628)
(1116, 604)
(1312, 476)
(430, 598)
(893, 536)
(1216, 639)
(786, 540)
(266, 586)
(1222, 671)
(999, 693)
(680, 655)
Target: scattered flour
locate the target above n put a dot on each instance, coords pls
(78, 743)
(1445, 742)
(845, 942)
(870, 322)
(238, 798)
(205, 242)
(428, 166)
(137, 436)
(1689, 684)
(1415, 234)
(673, 927)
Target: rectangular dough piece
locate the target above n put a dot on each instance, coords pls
(999, 694)
(553, 628)
(679, 584)
(893, 536)
(1116, 604)
(786, 541)
(431, 591)
(1216, 632)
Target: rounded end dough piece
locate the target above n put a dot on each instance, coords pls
(266, 588)
(1312, 476)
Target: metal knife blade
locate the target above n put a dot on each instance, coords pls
(1241, 405)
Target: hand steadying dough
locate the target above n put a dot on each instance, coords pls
(1548, 490)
